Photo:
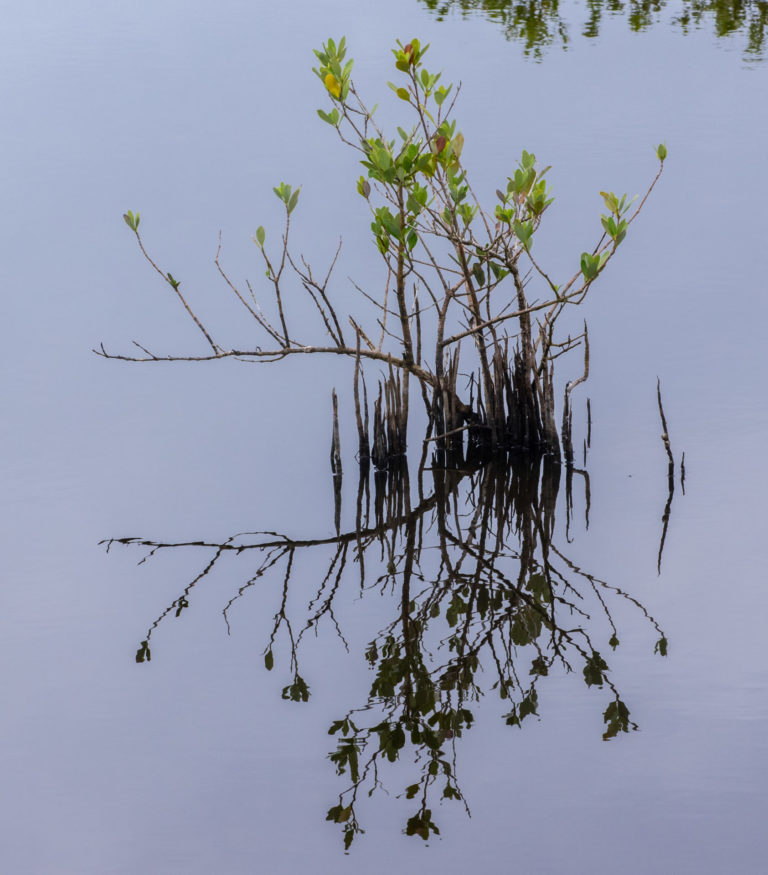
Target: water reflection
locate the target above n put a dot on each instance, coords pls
(537, 24)
(483, 599)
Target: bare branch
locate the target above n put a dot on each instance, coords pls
(174, 284)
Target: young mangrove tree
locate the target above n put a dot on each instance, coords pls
(459, 279)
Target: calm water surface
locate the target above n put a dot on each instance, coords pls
(192, 762)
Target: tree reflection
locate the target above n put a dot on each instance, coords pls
(484, 599)
(537, 24)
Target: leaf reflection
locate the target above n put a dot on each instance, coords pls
(484, 600)
(538, 24)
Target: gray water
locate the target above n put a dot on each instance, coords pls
(193, 762)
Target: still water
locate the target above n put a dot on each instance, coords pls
(199, 759)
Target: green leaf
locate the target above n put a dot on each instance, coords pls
(403, 95)
(661, 152)
(381, 157)
(457, 145)
(293, 200)
(131, 221)
(441, 94)
(498, 271)
(260, 235)
(388, 222)
(609, 225)
(269, 660)
(523, 232)
(478, 273)
(331, 118)
(611, 201)
(590, 264)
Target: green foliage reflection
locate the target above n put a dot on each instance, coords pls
(537, 24)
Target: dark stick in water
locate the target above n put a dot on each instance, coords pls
(670, 474)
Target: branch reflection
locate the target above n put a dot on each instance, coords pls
(484, 599)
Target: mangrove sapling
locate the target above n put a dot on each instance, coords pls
(453, 271)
